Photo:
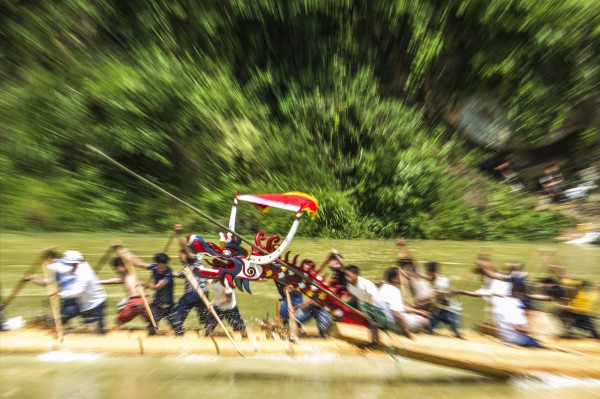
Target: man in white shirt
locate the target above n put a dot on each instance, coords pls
(390, 298)
(226, 308)
(80, 289)
(359, 287)
(509, 315)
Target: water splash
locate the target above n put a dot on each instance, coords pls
(555, 381)
(64, 356)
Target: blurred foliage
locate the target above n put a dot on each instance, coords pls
(337, 98)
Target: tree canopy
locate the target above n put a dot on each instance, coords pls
(346, 100)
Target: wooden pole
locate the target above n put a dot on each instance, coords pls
(189, 275)
(291, 317)
(53, 298)
(31, 270)
(102, 261)
(140, 288)
(168, 245)
(549, 254)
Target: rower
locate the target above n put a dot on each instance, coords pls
(79, 288)
(132, 305)
(190, 298)
(303, 310)
(163, 285)
(226, 308)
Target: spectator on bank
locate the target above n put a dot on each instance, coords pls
(553, 182)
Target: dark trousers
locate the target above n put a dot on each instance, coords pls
(70, 309)
(322, 317)
(578, 320)
(445, 316)
(186, 303)
(160, 311)
(232, 316)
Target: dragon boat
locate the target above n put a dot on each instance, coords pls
(351, 331)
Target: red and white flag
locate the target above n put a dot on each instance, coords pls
(292, 201)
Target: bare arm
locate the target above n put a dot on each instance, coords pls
(419, 312)
(115, 280)
(403, 249)
(125, 254)
(539, 297)
(468, 293)
(42, 282)
(488, 270)
(222, 301)
(178, 229)
(522, 329)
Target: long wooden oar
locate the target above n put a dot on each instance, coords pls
(31, 270)
(168, 244)
(140, 288)
(53, 298)
(291, 317)
(189, 275)
(102, 261)
(550, 254)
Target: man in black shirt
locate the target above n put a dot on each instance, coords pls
(163, 284)
(190, 299)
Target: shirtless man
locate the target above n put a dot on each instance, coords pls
(132, 305)
(419, 283)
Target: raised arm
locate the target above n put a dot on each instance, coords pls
(488, 269)
(178, 230)
(126, 254)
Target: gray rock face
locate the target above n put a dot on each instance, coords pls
(484, 122)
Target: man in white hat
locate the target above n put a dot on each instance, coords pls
(80, 289)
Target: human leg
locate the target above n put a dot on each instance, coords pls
(69, 309)
(95, 316)
(585, 323)
(132, 308)
(234, 318)
(202, 313)
(528, 342)
(323, 319)
(182, 309)
(453, 320)
(159, 312)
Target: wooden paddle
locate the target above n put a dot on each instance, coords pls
(168, 245)
(102, 261)
(550, 253)
(189, 275)
(291, 318)
(140, 288)
(53, 298)
(31, 270)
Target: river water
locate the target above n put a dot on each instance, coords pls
(80, 375)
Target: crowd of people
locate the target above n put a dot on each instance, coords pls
(407, 300)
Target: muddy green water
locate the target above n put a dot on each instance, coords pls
(77, 375)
